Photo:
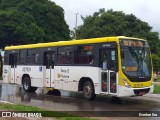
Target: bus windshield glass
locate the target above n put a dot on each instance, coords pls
(136, 61)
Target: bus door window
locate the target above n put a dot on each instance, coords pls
(104, 59)
(108, 60)
(13, 60)
(49, 59)
(46, 60)
(52, 59)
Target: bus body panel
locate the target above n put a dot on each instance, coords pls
(68, 77)
(34, 72)
(124, 91)
(6, 73)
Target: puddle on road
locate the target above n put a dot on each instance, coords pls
(71, 101)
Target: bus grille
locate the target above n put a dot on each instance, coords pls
(141, 91)
(137, 79)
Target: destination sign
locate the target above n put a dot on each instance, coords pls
(134, 43)
(88, 48)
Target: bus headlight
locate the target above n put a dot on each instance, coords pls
(126, 83)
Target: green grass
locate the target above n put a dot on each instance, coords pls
(16, 107)
(156, 89)
(44, 112)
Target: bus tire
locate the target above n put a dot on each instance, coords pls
(88, 91)
(27, 85)
(54, 92)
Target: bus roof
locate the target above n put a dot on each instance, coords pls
(71, 42)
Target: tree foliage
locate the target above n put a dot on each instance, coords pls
(1, 64)
(116, 23)
(156, 62)
(31, 21)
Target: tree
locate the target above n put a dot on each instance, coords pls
(1, 64)
(156, 62)
(116, 23)
(31, 21)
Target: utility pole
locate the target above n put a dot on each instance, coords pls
(76, 27)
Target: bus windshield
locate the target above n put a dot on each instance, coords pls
(136, 61)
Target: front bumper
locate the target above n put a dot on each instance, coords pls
(125, 91)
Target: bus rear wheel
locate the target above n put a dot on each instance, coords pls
(27, 85)
(88, 91)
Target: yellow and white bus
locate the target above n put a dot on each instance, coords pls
(117, 66)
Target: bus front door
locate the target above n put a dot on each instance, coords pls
(13, 63)
(108, 63)
(49, 63)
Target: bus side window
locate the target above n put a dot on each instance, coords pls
(37, 57)
(83, 54)
(30, 59)
(65, 55)
(33, 56)
(22, 56)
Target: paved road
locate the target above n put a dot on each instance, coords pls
(74, 102)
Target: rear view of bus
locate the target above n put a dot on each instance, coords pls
(135, 73)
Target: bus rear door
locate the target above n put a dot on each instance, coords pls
(108, 62)
(13, 63)
(49, 58)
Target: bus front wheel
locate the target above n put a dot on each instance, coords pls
(27, 85)
(88, 91)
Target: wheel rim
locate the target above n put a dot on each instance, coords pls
(26, 84)
(87, 91)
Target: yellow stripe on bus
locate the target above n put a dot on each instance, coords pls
(71, 42)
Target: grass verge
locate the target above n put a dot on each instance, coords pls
(44, 112)
(156, 89)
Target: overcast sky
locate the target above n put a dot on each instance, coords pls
(146, 10)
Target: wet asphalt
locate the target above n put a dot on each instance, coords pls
(71, 101)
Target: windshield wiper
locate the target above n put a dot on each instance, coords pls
(134, 54)
(139, 59)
